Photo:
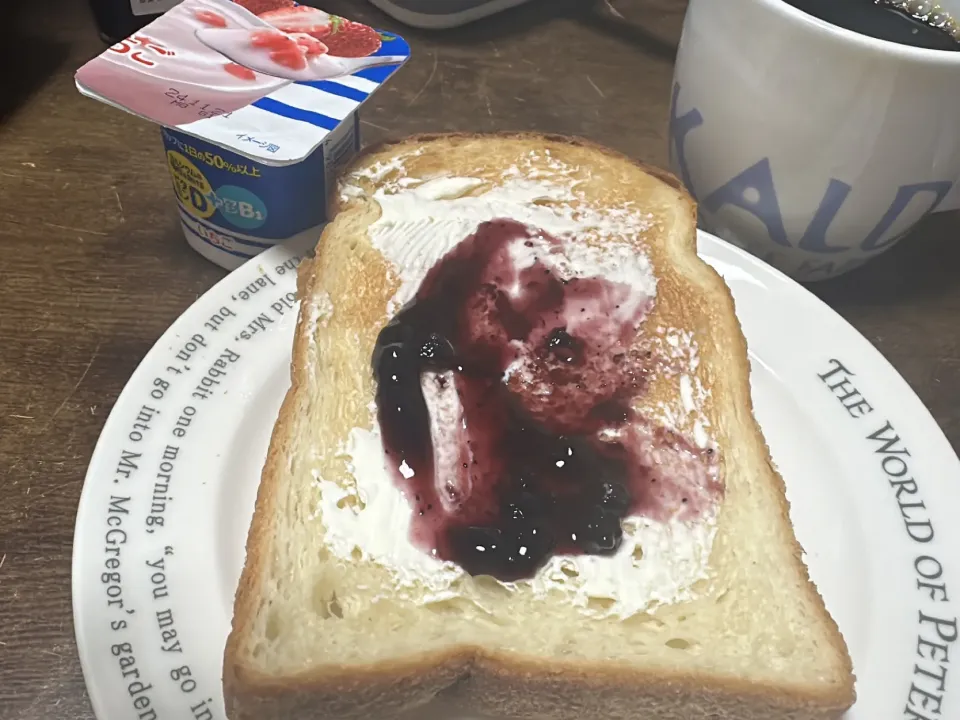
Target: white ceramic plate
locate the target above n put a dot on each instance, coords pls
(873, 483)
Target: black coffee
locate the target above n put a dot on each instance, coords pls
(908, 22)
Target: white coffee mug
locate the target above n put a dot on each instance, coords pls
(811, 146)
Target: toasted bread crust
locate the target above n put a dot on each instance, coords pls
(485, 683)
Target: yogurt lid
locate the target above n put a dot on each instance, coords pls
(268, 79)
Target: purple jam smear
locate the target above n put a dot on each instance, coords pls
(503, 398)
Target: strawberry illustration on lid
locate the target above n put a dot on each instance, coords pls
(346, 38)
(261, 6)
(342, 37)
(298, 19)
(289, 50)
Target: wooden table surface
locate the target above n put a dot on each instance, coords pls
(94, 267)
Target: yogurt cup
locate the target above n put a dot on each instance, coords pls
(258, 108)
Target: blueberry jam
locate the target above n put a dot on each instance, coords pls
(503, 392)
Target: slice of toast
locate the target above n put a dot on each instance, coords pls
(703, 610)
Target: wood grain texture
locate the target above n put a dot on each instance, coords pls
(93, 267)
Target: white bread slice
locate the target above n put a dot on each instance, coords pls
(320, 633)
